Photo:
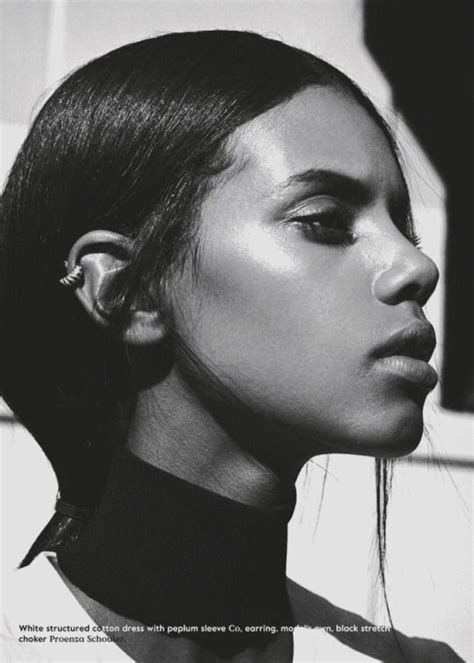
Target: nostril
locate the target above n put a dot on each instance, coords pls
(411, 292)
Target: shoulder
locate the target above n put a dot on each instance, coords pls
(355, 638)
(42, 620)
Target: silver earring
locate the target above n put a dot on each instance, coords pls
(73, 278)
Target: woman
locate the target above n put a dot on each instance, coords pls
(225, 205)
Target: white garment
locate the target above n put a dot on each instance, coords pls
(37, 596)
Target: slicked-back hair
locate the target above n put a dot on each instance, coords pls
(130, 142)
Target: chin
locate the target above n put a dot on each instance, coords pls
(390, 432)
(400, 436)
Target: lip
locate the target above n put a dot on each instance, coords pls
(415, 371)
(417, 341)
(406, 354)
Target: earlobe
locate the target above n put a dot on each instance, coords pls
(144, 328)
(92, 262)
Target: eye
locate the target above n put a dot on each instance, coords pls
(328, 226)
(403, 219)
(414, 238)
(407, 229)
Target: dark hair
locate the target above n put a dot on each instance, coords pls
(129, 142)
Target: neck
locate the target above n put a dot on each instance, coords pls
(191, 529)
(163, 551)
(210, 449)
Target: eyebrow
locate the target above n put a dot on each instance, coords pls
(352, 189)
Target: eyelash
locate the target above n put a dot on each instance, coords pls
(329, 227)
(339, 233)
(414, 238)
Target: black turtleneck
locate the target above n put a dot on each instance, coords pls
(161, 550)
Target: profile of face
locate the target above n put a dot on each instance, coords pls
(307, 297)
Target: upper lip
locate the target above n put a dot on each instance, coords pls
(417, 341)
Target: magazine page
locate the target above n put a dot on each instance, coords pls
(236, 389)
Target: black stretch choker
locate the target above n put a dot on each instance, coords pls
(161, 550)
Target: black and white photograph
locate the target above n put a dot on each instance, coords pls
(236, 331)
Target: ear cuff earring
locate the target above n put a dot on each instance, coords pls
(73, 278)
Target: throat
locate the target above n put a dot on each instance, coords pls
(161, 550)
(221, 451)
(227, 472)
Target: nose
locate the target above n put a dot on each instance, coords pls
(412, 275)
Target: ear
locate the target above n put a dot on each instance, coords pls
(101, 253)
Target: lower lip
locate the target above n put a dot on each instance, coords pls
(414, 370)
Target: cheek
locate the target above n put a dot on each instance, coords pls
(252, 287)
(271, 314)
(289, 328)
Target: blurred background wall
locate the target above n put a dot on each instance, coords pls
(331, 548)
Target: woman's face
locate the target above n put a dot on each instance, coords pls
(305, 279)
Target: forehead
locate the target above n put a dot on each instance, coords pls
(319, 128)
